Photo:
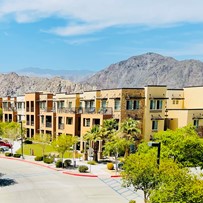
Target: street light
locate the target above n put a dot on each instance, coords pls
(158, 145)
(21, 135)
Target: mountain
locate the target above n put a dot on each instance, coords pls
(137, 71)
(12, 84)
(72, 75)
(149, 69)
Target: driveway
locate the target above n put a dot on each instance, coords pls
(31, 183)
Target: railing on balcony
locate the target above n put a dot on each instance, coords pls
(103, 111)
(32, 109)
(48, 124)
(32, 123)
(70, 110)
(61, 126)
(93, 110)
(9, 109)
(48, 109)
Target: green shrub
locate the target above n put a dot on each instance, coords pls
(38, 158)
(132, 201)
(59, 163)
(110, 166)
(8, 154)
(28, 142)
(67, 163)
(17, 155)
(92, 162)
(48, 160)
(83, 169)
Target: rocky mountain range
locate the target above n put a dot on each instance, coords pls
(137, 71)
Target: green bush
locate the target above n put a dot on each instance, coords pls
(67, 163)
(132, 201)
(8, 154)
(48, 160)
(83, 169)
(17, 155)
(92, 162)
(59, 163)
(38, 158)
(110, 166)
(28, 142)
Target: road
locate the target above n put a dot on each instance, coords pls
(36, 184)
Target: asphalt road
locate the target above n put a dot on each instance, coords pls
(28, 183)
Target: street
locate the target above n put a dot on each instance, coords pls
(33, 183)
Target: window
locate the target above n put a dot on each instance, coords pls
(177, 101)
(174, 101)
(86, 122)
(103, 104)
(117, 104)
(42, 119)
(69, 105)
(20, 104)
(132, 104)
(42, 105)
(154, 125)
(196, 123)
(60, 104)
(69, 120)
(155, 104)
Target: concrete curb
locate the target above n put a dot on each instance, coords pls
(55, 169)
(81, 174)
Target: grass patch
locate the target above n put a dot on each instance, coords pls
(36, 148)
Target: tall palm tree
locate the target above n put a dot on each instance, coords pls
(130, 130)
(93, 135)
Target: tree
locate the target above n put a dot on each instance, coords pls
(44, 140)
(140, 170)
(116, 145)
(183, 145)
(177, 184)
(93, 135)
(130, 130)
(63, 143)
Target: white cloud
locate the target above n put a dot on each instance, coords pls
(95, 15)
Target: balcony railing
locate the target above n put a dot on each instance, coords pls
(103, 111)
(9, 109)
(48, 124)
(60, 126)
(48, 109)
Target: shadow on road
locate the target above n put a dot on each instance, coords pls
(6, 181)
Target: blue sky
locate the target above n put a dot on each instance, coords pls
(92, 34)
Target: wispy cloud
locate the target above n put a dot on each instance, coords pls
(99, 14)
(81, 41)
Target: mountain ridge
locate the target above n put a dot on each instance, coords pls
(136, 71)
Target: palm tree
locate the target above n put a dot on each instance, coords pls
(130, 130)
(93, 135)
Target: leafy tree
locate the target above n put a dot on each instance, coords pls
(115, 146)
(44, 140)
(130, 130)
(177, 185)
(63, 143)
(141, 171)
(183, 145)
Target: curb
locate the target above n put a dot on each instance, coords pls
(81, 174)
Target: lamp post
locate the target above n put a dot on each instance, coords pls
(21, 134)
(158, 145)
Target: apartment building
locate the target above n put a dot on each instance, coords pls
(155, 107)
(9, 109)
(47, 115)
(32, 111)
(185, 106)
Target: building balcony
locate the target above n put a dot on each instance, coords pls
(61, 126)
(48, 109)
(48, 125)
(103, 111)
